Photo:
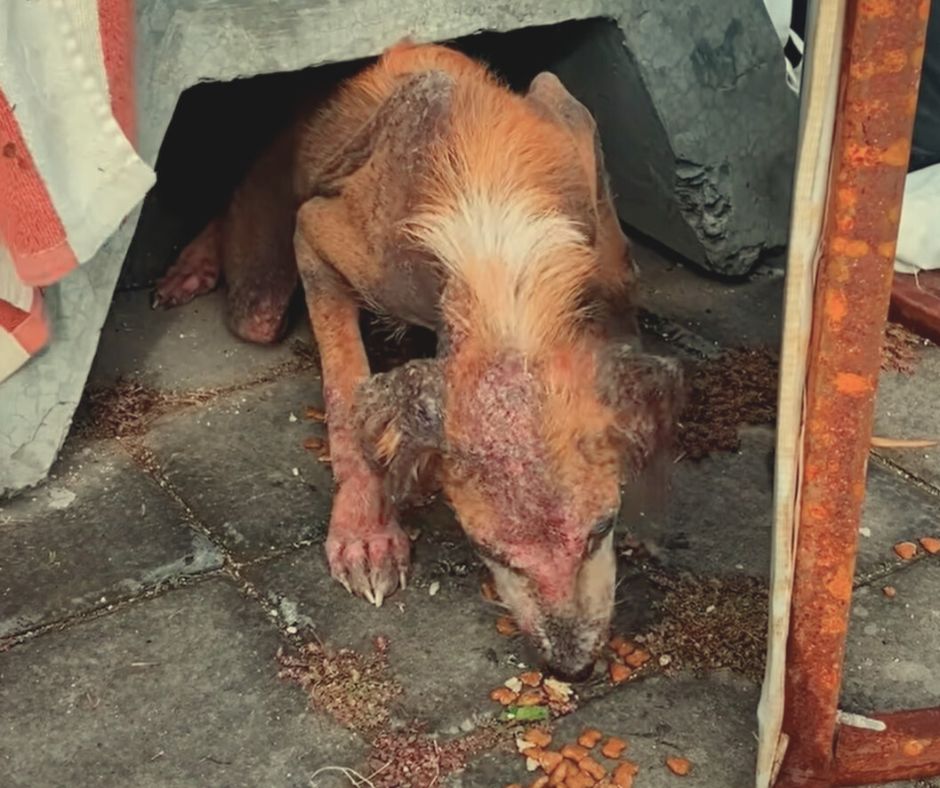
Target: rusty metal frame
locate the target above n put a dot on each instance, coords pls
(879, 78)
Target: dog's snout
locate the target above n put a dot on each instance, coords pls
(565, 673)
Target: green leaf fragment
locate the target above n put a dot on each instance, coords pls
(525, 714)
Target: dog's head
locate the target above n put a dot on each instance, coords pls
(533, 456)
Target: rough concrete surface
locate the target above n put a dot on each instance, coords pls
(167, 349)
(906, 408)
(177, 691)
(240, 465)
(98, 532)
(891, 662)
(146, 588)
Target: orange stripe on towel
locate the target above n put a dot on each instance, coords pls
(29, 224)
(30, 329)
(116, 24)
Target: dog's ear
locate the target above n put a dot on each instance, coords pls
(552, 100)
(646, 394)
(399, 419)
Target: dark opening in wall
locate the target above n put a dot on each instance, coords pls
(219, 127)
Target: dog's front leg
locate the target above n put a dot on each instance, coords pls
(367, 550)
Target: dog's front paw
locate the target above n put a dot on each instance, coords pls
(367, 550)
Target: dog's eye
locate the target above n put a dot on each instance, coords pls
(603, 528)
(598, 533)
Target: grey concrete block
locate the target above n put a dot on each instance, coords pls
(239, 463)
(97, 532)
(175, 691)
(698, 125)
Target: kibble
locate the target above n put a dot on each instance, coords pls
(590, 737)
(679, 766)
(613, 748)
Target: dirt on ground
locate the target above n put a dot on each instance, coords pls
(356, 689)
(413, 759)
(128, 407)
(739, 387)
(711, 624)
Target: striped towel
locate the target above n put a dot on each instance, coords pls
(69, 174)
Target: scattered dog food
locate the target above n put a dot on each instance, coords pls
(590, 737)
(538, 737)
(613, 748)
(738, 387)
(624, 659)
(637, 658)
(503, 696)
(506, 626)
(901, 350)
(576, 764)
(574, 752)
(889, 591)
(531, 678)
(624, 774)
(679, 766)
(905, 550)
(930, 544)
(619, 672)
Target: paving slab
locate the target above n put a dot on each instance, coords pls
(906, 407)
(893, 648)
(712, 721)
(721, 508)
(98, 531)
(239, 463)
(731, 313)
(444, 649)
(185, 348)
(179, 690)
(896, 510)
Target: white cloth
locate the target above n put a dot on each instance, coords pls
(52, 71)
(918, 239)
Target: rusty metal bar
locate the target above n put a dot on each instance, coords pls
(907, 749)
(880, 72)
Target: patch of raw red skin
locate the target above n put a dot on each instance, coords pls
(505, 455)
(346, 464)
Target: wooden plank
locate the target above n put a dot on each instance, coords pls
(817, 121)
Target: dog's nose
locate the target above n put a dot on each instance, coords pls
(572, 676)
